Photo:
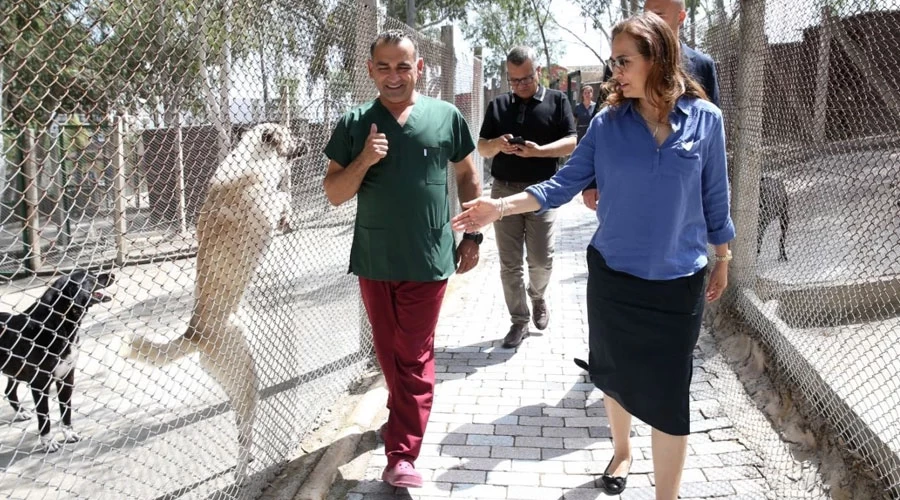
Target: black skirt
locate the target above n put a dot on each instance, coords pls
(642, 338)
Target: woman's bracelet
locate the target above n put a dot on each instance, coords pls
(502, 208)
(724, 258)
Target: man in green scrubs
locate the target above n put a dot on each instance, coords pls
(392, 154)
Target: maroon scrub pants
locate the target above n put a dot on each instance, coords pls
(404, 315)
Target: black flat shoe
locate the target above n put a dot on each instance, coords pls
(582, 364)
(614, 485)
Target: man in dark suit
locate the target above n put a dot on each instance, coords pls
(698, 64)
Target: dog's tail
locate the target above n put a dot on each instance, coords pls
(158, 353)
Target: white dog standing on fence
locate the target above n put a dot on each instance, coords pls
(243, 208)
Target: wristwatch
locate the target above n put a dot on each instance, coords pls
(476, 237)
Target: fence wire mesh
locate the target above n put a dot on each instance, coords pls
(162, 173)
(811, 95)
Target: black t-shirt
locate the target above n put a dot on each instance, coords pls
(544, 118)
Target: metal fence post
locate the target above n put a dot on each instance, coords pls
(119, 182)
(747, 155)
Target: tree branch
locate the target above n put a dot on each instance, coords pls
(567, 30)
(434, 23)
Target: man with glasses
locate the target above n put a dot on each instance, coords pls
(698, 64)
(525, 132)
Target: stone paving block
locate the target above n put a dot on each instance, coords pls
(467, 451)
(513, 478)
(565, 412)
(453, 418)
(539, 442)
(484, 440)
(566, 432)
(745, 457)
(708, 489)
(541, 421)
(718, 447)
(432, 489)
(515, 453)
(565, 455)
(645, 493)
(441, 462)
(444, 438)
(486, 464)
(461, 476)
(567, 481)
(519, 430)
(477, 491)
(732, 473)
(532, 493)
(724, 434)
(584, 494)
(749, 486)
(473, 428)
(491, 419)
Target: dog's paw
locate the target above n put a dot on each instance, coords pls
(49, 444)
(23, 414)
(69, 435)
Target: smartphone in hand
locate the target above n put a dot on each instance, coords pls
(516, 140)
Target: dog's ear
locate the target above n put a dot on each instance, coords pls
(271, 137)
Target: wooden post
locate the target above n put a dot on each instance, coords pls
(119, 185)
(478, 104)
(820, 110)
(448, 65)
(747, 154)
(179, 175)
(366, 31)
(32, 234)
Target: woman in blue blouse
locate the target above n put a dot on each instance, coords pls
(657, 150)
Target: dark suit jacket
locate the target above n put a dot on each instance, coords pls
(698, 65)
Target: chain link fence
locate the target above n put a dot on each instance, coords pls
(118, 119)
(811, 96)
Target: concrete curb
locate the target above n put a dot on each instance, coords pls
(322, 477)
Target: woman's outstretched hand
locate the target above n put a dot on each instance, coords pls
(479, 213)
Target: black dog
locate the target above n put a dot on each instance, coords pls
(40, 346)
(773, 204)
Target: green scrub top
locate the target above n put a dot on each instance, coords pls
(402, 230)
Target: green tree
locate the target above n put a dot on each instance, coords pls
(44, 51)
(429, 13)
(502, 24)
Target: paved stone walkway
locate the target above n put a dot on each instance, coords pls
(525, 424)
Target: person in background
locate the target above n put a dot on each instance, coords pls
(657, 151)
(525, 131)
(699, 66)
(392, 154)
(584, 110)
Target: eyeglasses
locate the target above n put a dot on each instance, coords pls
(618, 62)
(515, 82)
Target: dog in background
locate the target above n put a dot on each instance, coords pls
(40, 347)
(773, 204)
(237, 221)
